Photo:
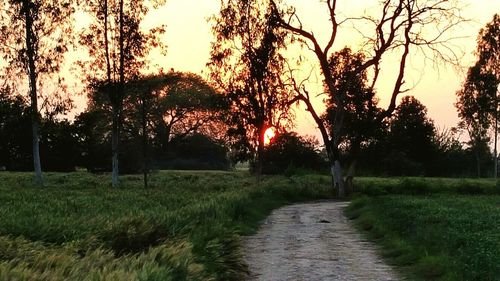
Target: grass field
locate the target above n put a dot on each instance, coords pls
(187, 226)
(433, 229)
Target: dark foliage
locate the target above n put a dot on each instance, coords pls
(289, 153)
(411, 146)
(15, 133)
(195, 152)
(58, 146)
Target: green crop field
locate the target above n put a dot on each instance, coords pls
(187, 226)
(433, 229)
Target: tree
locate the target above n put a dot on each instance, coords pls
(35, 37)
(196, 152)
(58, 145)
(476, 105)
(247, 64)
(15, 130)
(488, 49)
(411, 136)
(401, 26)
(92, 133)
(360, 106)
(172, 105)
(118, 48)
(156, 110)
(184, 105)
(288, 152)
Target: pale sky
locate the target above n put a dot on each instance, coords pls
(189, 35)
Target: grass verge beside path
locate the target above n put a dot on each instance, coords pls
(187, 226)
(437, 236)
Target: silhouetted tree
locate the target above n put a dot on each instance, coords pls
(57, 142)
(246, 64)
(476, 105)
(196, 152)
(288, 152)
(92, 133)
(118, 48)
(184, 105)
(15, 131)
(172, 105)
(401, 26)
(58, 145)
(156, 110)
(360, 106)
(488, 49)
(410, 141)
(35, 36)
(453, 159)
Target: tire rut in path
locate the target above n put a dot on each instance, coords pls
(312, 241)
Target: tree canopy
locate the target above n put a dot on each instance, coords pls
(247, 64)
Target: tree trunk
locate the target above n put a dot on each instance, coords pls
(337, 177)
(478, 165)
(115, 141)
(258, 168)
(495, 164)
(117, 106)
(349, 185)
(36, 150)
(354, 154)
(144, 142)
(35, 122)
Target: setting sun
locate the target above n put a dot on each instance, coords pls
(269, 135)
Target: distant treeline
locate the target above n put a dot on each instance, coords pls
(409, 145)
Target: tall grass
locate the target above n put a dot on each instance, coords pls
(186, 226)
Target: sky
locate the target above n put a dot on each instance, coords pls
(188, 38)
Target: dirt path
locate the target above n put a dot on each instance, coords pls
(312, 242)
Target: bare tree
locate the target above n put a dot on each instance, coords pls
(401, 26)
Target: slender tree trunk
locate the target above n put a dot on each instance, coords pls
(117, 106)
(495, 153)
(478, 165)
(144, 142)
(115, 141)
(258, 168)
(349, 185)
(35, 120)
(106, 42)
(337, 173)
(339, 183)
(355, 149)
